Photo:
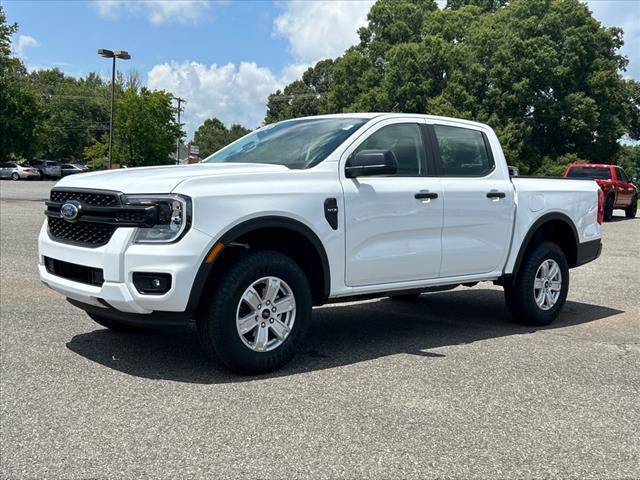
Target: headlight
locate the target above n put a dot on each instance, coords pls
(173, 217)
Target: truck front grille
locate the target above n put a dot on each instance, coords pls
(83, 233)
(88, 198)
(98, 215)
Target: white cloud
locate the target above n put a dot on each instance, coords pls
(156, 11)
(320, 29)
(22, 44)
(625, 14)
(234, 94)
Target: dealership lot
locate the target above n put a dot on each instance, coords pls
(443, 387)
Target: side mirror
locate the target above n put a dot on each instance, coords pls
(513, 171)
(371, 162)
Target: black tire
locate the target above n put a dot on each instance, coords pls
(217, 331)
(632, 209)
(113, 324)
(520, 295)
(405, 297)
(608, 208)
(15, 176)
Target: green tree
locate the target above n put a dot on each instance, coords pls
(629, 160)
(544, 74)
(212, 135)
(19, 103)
(145, 130)
(303, 97)
(75, 113)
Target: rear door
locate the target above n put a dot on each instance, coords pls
(624, 188)
(393, 223)
(478, 201)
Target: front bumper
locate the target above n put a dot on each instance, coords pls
(119, 259)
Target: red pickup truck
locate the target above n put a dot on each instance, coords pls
(618, 190)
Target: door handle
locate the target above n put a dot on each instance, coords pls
(494, 194)
(425, 195)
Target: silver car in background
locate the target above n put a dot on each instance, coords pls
(17, 171)
(47, 168)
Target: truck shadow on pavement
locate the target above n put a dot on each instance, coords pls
(340, 335)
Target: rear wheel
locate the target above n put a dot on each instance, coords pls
(113, 324)
(258, 313)
(15, 176)
(540, 288)
(608, 208)
(632, 209)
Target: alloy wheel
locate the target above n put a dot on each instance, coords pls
(266, 314)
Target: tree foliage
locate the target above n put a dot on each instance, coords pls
(212, 135)
(145, 130)
(50, 114)
(19, 103)
(75, 113)
(544, 74)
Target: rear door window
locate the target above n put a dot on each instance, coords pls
(463, 152)
(621, 175)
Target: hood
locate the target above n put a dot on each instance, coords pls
(160, 179)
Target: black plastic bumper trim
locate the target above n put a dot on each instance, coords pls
(153, 319)
(588, 251)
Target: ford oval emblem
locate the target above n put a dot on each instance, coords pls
(70, 211)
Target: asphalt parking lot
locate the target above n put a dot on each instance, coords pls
(444, 387)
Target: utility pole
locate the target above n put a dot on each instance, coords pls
(180, 110)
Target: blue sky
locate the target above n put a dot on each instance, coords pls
(224, 57)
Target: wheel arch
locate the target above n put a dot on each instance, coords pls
(555, 227)
(279, 233)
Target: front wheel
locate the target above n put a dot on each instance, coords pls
(257, 314)
(540, 288)
(632, 209)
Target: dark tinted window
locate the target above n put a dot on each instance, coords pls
(622, 175)
(590, 173)
(405, 141)
(462, 151)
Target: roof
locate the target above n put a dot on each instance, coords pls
(382, 115)
(592, 165)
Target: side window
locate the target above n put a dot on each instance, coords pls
(621, 175)
(462, 151)
(405, 141)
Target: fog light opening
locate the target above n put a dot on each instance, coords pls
(152, 283)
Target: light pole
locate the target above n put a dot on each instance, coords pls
(121, 54)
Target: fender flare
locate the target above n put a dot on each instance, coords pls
(535, 227)
(250, 225)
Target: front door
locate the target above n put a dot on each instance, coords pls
(393, 227)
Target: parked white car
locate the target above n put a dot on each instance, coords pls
(310, 211)
(17, 171)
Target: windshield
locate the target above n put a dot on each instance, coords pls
(590, 172)
(296, 144)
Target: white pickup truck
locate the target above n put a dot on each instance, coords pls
(312, 211)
